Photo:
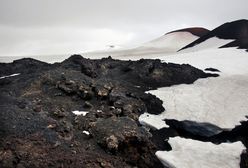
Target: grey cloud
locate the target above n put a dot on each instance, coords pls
(95, 12)
(62, 22)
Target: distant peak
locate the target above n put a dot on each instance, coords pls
(238, 21)
(197, 31)
(232, 30)
(236, 30)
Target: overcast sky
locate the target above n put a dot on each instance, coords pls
(36, 27)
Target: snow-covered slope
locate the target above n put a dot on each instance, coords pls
(164, 45)
(172, 41)
(211, 43)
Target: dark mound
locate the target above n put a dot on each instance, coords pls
(237, 30)
(197, 31)
(25, 65)
(38, 128)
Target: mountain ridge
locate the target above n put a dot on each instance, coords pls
(236, 30)
(197, 31)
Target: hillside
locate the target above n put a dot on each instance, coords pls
(236, 31)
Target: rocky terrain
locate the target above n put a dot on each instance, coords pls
(38, 127)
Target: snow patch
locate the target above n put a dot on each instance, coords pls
(86, 132)
(187, 153)
(153, 121)
(7, 76)
(229, 61)
(80, 112)
(221, 101)
(99, 111)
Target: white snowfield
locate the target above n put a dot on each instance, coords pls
(187, 153)
(221, 101)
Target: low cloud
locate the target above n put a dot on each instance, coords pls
(59, 40)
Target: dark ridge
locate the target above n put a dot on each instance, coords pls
(191, 128)
(240, 44)
(239, 133)
(197, 31)
(25, 65)
(237, 30)
(212, 70)
(206, 132)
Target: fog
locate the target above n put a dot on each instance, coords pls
(29, 27)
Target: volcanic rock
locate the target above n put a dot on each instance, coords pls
(38, 128)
